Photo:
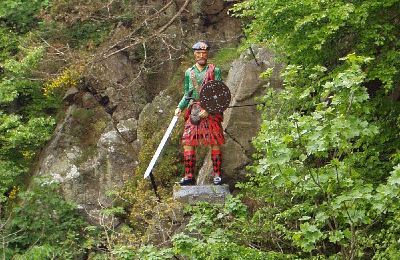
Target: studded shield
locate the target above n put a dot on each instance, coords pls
(215, 96)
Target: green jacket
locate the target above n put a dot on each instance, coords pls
(188, 85)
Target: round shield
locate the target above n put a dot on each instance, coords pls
(215, 96)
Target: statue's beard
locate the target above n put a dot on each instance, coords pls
(202, 61)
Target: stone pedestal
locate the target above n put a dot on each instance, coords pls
(201, 193)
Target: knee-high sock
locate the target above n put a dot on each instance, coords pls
(190, 163)
(216, 157)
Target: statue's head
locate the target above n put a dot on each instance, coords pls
(200, 50)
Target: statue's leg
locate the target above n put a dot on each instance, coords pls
(189, 156)
(216, 157)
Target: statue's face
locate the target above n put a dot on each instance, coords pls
(201, 57)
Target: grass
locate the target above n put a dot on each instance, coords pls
(224, 58)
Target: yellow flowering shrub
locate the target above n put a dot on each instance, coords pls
(13, 192)
(67, 79)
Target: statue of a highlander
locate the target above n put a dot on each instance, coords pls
(205, 97)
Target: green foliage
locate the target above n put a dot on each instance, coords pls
(8, 43)
(217, 246)
(23, 138)
(92, 32)
(25, 122)
(21, 15)
(15, 80)
(24, 125)
(224, 57)
(20, 141)
(319, 163)
(43, 226)
(323, 181)
(212, 233)
(78, 35)
(88, 28)
(37, 253)
(10, 172)
(333, 29)
(153, 253)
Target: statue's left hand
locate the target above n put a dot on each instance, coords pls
(203, 113)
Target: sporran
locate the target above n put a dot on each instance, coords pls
(195, 114)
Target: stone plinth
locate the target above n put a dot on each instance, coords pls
(201, 193)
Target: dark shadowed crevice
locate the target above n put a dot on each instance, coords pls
(104, 101)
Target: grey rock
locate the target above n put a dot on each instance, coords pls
(202, 193)
(88, 157)
(128, 129)
(70, 94)
(89, 101)
(113, 80)
(154, 115)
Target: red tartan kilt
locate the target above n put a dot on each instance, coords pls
(208, 132)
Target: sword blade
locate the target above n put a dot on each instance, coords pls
(160, 146)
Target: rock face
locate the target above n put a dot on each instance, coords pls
(241, 123)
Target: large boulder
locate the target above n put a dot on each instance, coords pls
(88, 156)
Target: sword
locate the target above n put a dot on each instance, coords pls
(160, 147)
